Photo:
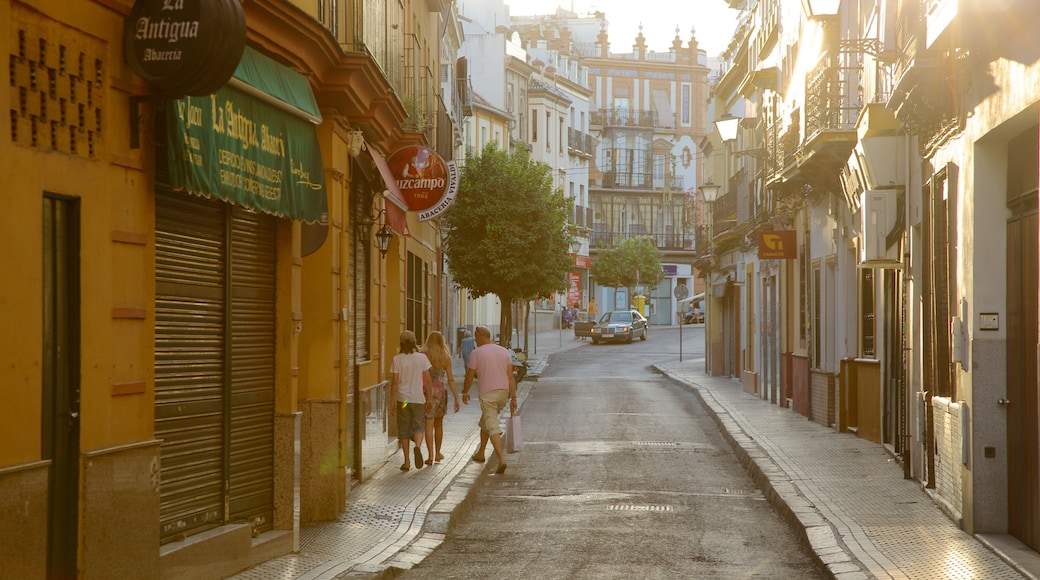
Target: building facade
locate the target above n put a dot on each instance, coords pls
(647, 114)
(216, 321)
(898, 145)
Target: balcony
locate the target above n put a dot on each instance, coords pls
(445, 133)
(665, 239)
(581, 217)
(580, 143)
(609, 118)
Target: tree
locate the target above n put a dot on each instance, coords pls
(506, 232)
(633, 262)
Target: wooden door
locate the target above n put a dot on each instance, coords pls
(1022, 433)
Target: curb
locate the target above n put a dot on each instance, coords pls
(831, 554)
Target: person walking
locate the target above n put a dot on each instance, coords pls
(436, 350)
(468, 344)
(409, 372)
(592, 309)
(493, 365)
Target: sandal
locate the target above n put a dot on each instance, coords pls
(418, 458)
(405, 468)
(501, 468)
(478, 458)
(429, 462)
(440, 458)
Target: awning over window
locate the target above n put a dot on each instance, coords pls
(252, 143)
(397, 207)
(265, 79)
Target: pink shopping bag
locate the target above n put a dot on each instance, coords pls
(514, 435)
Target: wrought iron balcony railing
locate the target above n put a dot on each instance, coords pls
(580, 142)
(603, 238)
(625, 118)
(832, 99)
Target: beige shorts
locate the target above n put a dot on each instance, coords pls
(491, 404)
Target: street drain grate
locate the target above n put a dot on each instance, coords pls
(641, 508)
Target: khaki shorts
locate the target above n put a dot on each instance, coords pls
(491, 404)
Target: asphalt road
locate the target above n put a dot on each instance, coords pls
(623, 475)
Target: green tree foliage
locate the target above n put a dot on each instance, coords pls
(506, 232)
(633, 262)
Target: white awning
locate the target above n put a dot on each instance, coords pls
(697, 296)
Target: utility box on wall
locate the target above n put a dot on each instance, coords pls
(878, 212)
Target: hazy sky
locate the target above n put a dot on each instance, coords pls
(713, 20)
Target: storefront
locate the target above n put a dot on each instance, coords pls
(240, 164)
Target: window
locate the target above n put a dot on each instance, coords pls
(418, 297)
(563, 146)
(803, 295)
(817, 317)
(548, 124)
(685, 105)
(866, 312)
(534, 128)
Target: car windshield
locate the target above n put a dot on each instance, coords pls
(616, 318)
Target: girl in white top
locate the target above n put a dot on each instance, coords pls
(409, 371)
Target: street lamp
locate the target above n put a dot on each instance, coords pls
(710, 191)
(383, 238)
(727, 127)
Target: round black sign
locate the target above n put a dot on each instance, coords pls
(185, 47)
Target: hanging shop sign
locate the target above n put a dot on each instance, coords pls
(185, 47)
(778, 245)
(252, 143)
(427, 183)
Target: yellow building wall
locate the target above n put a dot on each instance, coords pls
(116, 221)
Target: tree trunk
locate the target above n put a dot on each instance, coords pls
(505, 323)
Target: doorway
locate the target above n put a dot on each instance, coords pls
(1022, 272)
(60, 422)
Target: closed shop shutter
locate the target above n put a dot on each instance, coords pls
(251, 488)
(189, 362)
(215, 339)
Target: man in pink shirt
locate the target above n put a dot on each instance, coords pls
(493, 365)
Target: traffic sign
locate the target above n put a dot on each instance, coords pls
(681, 292)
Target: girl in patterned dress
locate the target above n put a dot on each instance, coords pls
(436, 396)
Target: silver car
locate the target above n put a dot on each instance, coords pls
(622, 325)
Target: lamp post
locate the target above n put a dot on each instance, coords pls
(710, 191)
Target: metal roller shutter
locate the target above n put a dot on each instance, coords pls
(189, 362)
(215, 339)
(251, 488)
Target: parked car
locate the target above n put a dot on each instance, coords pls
(694, 317)
(619, 325)
(583, 326)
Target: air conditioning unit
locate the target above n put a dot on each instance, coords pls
(878, 214)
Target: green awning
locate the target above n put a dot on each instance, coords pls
(249, 146)
(264, 78)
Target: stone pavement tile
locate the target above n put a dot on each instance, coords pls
(887, 526)
(393, 520)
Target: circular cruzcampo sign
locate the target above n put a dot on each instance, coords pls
(426, 181)
(185, 47)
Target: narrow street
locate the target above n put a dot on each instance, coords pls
(623, 475)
